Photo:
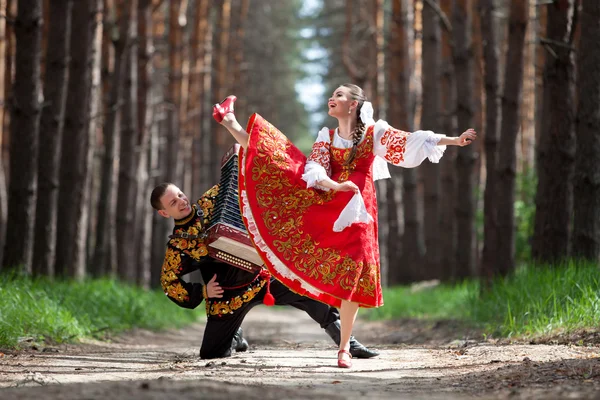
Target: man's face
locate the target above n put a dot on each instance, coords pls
(175, 203)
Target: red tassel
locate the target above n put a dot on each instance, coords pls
(268, 300)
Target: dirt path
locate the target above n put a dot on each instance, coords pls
(291, 357)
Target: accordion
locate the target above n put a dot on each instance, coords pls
(227, 237)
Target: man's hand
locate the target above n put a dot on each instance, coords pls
(213, 289)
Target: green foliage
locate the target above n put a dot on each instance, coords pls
(535, 301)
(525, 214)
(60, 311)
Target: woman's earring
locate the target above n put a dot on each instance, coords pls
(349, 111)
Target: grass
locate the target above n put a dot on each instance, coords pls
(536, 301)
(59, 311)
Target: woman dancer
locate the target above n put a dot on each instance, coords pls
(314, 220)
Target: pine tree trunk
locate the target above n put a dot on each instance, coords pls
(489, 33)
(127, 232)
(220, 85)
(527, 139)
(507, 155)
(208, 158)
(161, 227)
(25, 120)
(73, 201)
(51, 127)
(554, 197)
(196, 103)
(466, 157)
(174, 150)
(447, 246)
(3, 194)
(9, 58)
(105, 254)
(403, 261)
(430, 120)
(586, 223)
(143, 212)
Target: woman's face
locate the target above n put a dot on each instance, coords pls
(340, 102)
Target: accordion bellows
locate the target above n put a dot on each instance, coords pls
(228, 239)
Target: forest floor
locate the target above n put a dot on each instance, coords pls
(290, 357)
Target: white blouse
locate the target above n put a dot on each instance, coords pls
(390, 145)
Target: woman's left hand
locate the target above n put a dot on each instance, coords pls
(347, 186)
(466, 138)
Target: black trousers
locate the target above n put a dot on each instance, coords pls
(220, 330)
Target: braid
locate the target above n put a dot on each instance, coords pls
(357, 134)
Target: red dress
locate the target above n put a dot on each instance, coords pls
(291, 225)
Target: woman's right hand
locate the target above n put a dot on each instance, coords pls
(347, 186)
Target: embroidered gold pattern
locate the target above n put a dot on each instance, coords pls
(362, 150)
(217, 307)
(169, 279)
(283, 215)
(195, 248)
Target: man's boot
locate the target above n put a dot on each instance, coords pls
(356, 348)
(238, 343)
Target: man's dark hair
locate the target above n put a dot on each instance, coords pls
(156, 195)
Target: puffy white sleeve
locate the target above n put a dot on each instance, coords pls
(406, 149)
(318, 164)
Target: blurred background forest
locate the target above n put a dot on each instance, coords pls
(104, 99)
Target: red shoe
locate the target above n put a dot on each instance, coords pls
(343, 363)
(223, 108)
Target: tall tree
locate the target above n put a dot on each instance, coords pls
(127, 233)
(466, 157)
(447, 245)
(105, 251)
(73, 204)
(586, 222)
(195, 106)
(3, 194)
(554, 197)
(507, 159)
(174, 152)
(143, 215)
(25, 120)
(430, 120)
(51, 127)
(489, 33)
(404, 264)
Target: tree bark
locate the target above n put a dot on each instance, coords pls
(430, 120)
(507, 160)
(586, 223)
(403, 261)
(196, 100)
(174, 152)
(143, 212)
(51, 127)
(73, 205)
(3, 194)
(489, 33)
(447, 246)
(554, 197)
(127, 232)
(106, 249)
(25, 120)
(467, 156)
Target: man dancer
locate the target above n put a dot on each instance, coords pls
(230, 292)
